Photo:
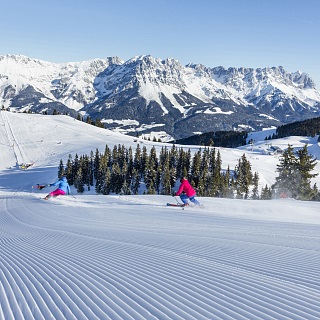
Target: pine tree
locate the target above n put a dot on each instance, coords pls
(106, 185)
(68, 170)
(121, 155)
(162, 156)
(173, 157)
(158, 180)
(187, 165)
(116, 178)
(218, 175)
(306, 164)
(227, 185)
(287, 178)
(232, 188)
(125, 188)
(196, 169)
(114, 156)
(101, 173)
(216, 183)
(153, 158)
(91, 168)
(61, 171)
(266, 193)
(107, 156)
(150, 173)
(135, 182)
(255, 190)
(84, 163)
(98, 123)
(129, 161)
(203, 183)
(243, 175)
(295, 175)
(316, 193)
(96, 164)
(78, 181)
(180, 163)
(165, 179)
(144, 160)
(137, 164)
(75, 166)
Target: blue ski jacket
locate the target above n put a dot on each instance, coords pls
(63, 185)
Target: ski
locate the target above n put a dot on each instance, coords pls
(181, 205)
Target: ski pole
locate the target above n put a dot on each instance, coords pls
(176, 200)
(179, 203)
(173, 194)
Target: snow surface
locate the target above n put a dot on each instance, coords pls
(131, 257)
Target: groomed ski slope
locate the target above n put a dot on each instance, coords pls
(132, 257)
(111, 257)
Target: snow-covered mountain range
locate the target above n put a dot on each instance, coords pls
(146, 95)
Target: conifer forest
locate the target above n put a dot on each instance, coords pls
(122, 170)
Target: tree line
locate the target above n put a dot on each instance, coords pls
(122, 170)
(226, 139)
(308, 127)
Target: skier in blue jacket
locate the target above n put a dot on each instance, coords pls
(62, 189)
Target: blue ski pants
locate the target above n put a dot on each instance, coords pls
(184, 198)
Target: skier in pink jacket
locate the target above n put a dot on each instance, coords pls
(186, 192)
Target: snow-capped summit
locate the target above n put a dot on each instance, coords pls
(70, 84)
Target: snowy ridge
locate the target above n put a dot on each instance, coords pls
(264, 83)
(151, 93)
(69, 83)
(88, 256)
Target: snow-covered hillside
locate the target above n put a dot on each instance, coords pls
(131, 257)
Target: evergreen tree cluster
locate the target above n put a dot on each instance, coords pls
(309, 127)
(226, 139)
(295, 174)
(122, 171)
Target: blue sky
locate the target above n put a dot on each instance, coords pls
(230, 33)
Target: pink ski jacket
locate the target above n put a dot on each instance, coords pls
(186, 187)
